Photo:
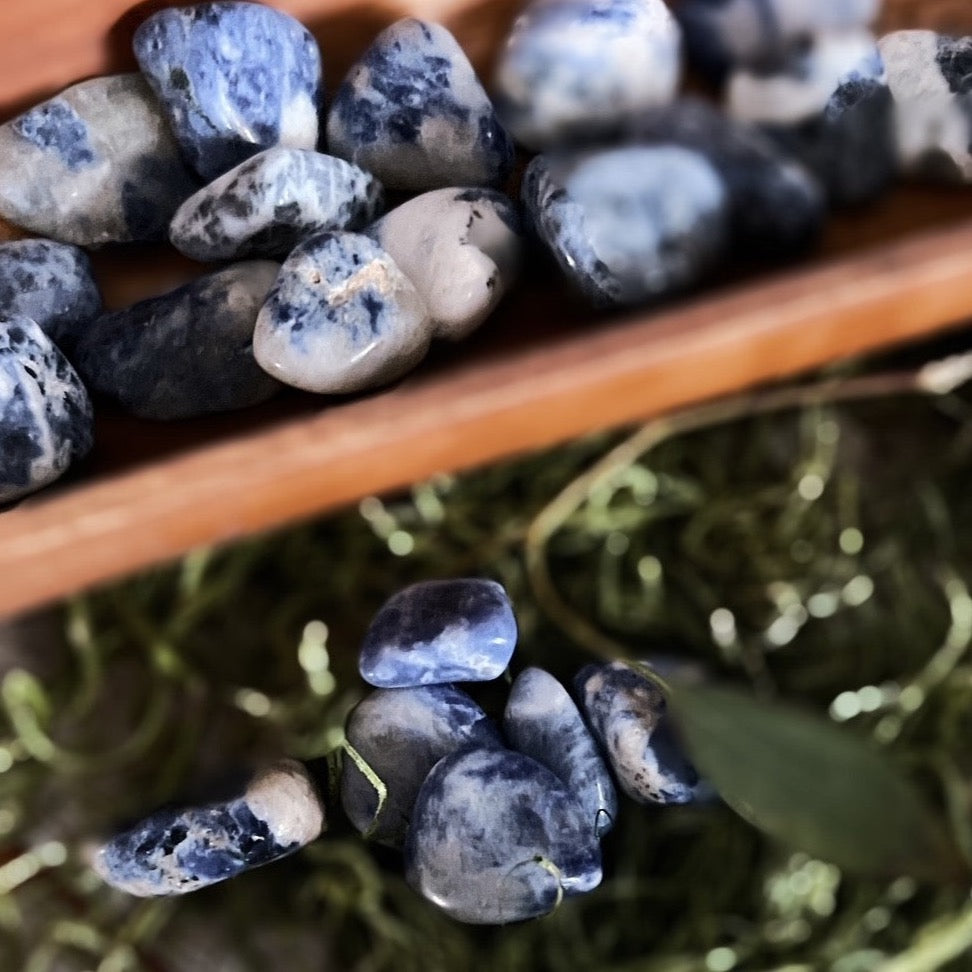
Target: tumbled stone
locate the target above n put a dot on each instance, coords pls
(233, 79)
(441, 631)
(413, 112)
(185, 353)
(628, 715)
(341, 318)
(930, 77)
(630, 224)
(576, 69)
(51, 283)
(462, 248)
(45, 413)
(177, 851)
(496, 838)
(97, 164)
(401, 734)
(542, 722)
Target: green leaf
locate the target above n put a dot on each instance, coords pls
(808, 783)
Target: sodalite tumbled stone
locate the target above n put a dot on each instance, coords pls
(437, 632)
(462, 248)
(233, 79)
(45, 413)
(401, 734)
(97, 164)
(341, 318)
(185, 353)
(629, 224)
(542, 722)
(51, 283)
(574, 69)
(496, 837)
(413, 112)
(273, 201)
(628, 715)
(177, 851)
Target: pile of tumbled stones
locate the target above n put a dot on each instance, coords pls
(217, 145)
(497, 824)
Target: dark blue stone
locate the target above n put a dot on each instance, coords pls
(437, 632)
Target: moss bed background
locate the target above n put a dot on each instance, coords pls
(817, 555)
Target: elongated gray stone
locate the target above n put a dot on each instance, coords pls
(185, 353)
(97, 164)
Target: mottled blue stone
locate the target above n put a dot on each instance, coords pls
(233, 79)
(401, 734)
(628, 715)
(51, 283)
(542, 722)
(185, 353)
(175, 851)
(45, 414)
(413, 112)
(273, 201)
(496, 838)
(437, 632)
(631, 224)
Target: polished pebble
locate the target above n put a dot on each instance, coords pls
(437, 632)
(413, 112)
(462, 248)
(628, 715)
(929, 77)
(51, 283)
(401, 734)
(273, 201)
(496, 838)
(97, 164)
(185, 353)
(177, 851)
(341, 318)
(233, 79)
(45, 413)
(575, 69)
(631, 224)
(542, 722)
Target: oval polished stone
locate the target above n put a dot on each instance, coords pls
(401, 734)
(496, 838)
(177, 851)
(437, 632)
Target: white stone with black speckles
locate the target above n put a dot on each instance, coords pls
(462, 248)
(97, 164)
(341, 318)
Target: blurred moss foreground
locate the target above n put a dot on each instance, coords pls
(817, 557)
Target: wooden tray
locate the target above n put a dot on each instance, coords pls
(543, 370)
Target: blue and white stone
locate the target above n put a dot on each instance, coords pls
(930, 77)
(496, 838)
(630, 224)
(233, 79)
(272, 202)
(628, 715)
(341, 318)
(401, 734)
(51, 283)
(828, 104)
(413, 112)
(462, 248)
(576, 69)
(441, 631)
(177, 851)
(45, 413)
(542, 722)
(97, 164)
(185, 353)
